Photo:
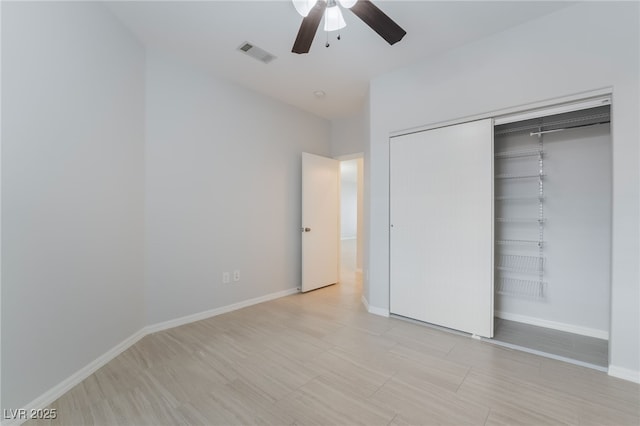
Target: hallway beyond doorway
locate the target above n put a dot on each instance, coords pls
(350, 279)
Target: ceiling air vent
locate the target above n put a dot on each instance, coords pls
(256, 52)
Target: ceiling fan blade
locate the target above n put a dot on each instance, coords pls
(378, 21)
(308, 28)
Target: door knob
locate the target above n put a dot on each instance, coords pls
(306, 229)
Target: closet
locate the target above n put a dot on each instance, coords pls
(553, 234)
(502, 229)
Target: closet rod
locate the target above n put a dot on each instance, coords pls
(542, 132)
(594, 118)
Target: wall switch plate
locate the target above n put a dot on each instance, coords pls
(236, 275)
(226, 278)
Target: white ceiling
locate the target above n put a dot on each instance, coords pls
(208, 33)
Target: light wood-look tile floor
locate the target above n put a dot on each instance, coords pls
(321, 359)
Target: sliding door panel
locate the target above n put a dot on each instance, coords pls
(441, 227)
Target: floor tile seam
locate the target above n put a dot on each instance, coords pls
(381, 386)
(295, 389)
(427, 351)
(517, 404)
(253, 410)
(466, 374)
(582, 401)
(113, 407)
(75, 406)
(392, 419)
(518, 407)
(269, 402)
(296, 419)
(371, 332)
(349, 362)
(534, 385)
(486, 419)
(420, 363)
(572, 392)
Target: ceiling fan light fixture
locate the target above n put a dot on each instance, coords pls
(303, 7)
(347, 4)
(368, 13)
(333, 19)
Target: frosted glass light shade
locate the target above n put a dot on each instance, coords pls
(347, 4)
(304, 6)
(333, 19)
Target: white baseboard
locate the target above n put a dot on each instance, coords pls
(624, 373)
(63, 387)
(217, 311)
(383, 312)
(67, 384)
(570, 328)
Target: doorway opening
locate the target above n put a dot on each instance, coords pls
(351, 212)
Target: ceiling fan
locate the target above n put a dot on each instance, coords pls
(314, 10)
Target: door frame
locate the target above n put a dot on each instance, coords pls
(361, 207)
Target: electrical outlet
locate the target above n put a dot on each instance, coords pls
(226, 278)
(236, 275)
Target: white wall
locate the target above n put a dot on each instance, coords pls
(72, 201)
(348, 135)
(222, 190)
(579, 48)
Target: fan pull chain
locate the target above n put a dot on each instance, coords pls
(327, 45)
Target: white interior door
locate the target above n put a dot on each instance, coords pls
(441, 235)
(320, 221)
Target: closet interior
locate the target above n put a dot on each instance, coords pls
(552, 234)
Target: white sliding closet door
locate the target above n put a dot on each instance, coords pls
(441, 235)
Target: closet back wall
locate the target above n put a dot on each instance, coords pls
(579, 48)
(577, 230)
